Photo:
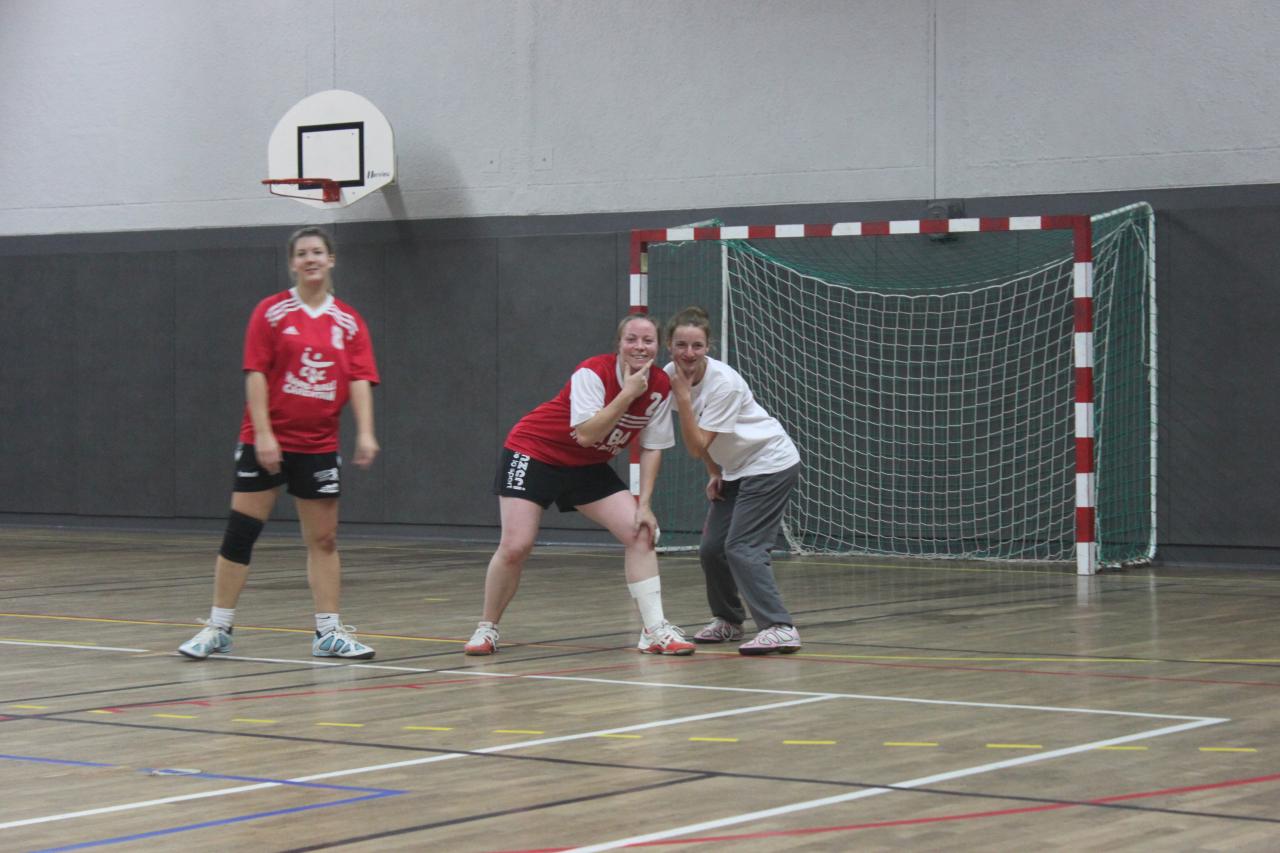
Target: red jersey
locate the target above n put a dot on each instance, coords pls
(310, 358)
(546, 433)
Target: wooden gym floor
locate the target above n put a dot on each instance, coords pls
(934, 707)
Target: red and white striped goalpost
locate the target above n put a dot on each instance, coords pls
(1082, 278)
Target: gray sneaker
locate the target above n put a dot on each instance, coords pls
(719, 631)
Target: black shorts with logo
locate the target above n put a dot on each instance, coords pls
(308, 475)
(567, 486)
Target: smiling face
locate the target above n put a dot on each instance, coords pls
(637, 342)
(688, 347)
(310, 261)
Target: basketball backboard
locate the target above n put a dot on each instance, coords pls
(336, 135)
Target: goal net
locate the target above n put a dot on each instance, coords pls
(966, 388)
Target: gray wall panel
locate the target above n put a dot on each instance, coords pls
(558, 304)
(439, 360)
(38, 403)
(124, 384)
(215, 291)
(1219, 312)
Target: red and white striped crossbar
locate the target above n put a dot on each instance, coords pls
(1082, 238)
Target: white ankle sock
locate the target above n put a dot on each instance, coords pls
(326, 622)
(222, 617)
(648, 596)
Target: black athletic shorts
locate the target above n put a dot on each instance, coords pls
(567, 486)
(308, 475)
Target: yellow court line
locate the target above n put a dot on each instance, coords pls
(1014, 746)
(517, 732)
(343, 725)
(1124, 748)
(428, 728)
(910, 743)
(100, 711)
(1227, 749)
(49, 642)
(623, 737)
(176, 716)
(31, 707)
(808, 743)
(251, 720)
(715, 739)
(944, 659)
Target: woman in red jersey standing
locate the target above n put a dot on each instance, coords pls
(306, 354)
(560, 452)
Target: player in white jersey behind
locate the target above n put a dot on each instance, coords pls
(559, 453)
(752, 468)
(306, 354)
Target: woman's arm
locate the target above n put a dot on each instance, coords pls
(362, 408)
(596, 428)
(264, 438)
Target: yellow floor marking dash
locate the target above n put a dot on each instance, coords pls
(31, 707)
(1014, 746)
(808, 742)
(1125, 748)
(623, 737)
(428, 728)
(1227, 749)
(435, 599)
(251, 720)
(176, 716)
(715, 739)
(517, 732)
(344, 725)
(909, 743)
(100, 711)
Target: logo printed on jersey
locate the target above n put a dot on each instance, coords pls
(325, 475)
(517, 470)
(246, 473)
(289, 330)
(311, 382)
(337, 337)
(330, 489)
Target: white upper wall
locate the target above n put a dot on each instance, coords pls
(154, 114)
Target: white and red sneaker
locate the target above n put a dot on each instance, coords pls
(484, 641)
(776, 638)
(665, 639)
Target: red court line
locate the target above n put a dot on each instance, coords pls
(1045, 807)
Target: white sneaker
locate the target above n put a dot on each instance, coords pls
(340, 643)
(209, 640)
(666, 639)
(776, 638)
(484, 641)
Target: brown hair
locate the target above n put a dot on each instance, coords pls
(634, 315)
(694, 315)
(311, 231)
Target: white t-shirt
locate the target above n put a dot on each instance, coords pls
(749, 440)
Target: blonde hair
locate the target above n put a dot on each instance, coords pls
(634, 315)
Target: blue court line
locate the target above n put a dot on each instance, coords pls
(365, 794)
(120, 839)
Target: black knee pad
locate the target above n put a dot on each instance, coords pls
(237, 542)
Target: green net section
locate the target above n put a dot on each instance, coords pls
(929, 386)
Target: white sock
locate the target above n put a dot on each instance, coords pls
(648, 596)
(222, 617)
(326, 622)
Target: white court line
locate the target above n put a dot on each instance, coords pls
(68, 646)
(408, 763)
(872, 792)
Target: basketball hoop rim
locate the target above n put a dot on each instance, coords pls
(331, 190)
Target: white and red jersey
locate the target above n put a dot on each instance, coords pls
(310, 357)
(546, 433)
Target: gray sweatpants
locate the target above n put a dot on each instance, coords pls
(740, 530)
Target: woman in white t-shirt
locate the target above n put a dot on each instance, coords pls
(753, 469)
